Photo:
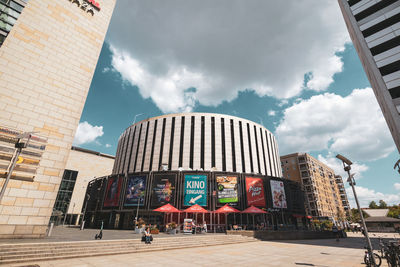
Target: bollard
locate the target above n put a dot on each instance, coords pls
(50, 229)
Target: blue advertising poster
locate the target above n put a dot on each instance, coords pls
(195, 190)
(135, 190)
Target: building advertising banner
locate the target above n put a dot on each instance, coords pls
(163, 189)
(278, 194)
(135, 190)
(227, 189)
(195, 190)
(113, 191)
(255, 192)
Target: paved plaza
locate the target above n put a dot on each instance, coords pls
(321, 252)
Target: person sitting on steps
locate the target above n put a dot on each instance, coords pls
(147, 235)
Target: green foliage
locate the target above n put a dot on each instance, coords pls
(394, 211)
(372, 205)
(382, 204)
(355, 215)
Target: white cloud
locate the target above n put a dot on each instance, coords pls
(397, 186)
(108, 145)
(87, 133)
(337, 166)
(366, 195)
(352, 126)
(271, 113)
(267, 46)
(170, 92)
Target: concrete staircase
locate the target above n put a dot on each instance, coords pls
(34, 252)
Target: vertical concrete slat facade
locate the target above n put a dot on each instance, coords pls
(39, 94)
(375, 31)
(264, 149)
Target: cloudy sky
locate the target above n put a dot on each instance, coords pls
(289, 65)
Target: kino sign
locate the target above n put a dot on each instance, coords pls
(87, 5)
(195, 190)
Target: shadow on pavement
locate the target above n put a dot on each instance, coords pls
(356, 242)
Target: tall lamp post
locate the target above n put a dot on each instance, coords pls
(346, 166)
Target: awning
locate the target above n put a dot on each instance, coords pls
(254, 210)
(196, 209)
(168, 208)
(226, 209)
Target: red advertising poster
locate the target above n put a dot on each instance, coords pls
(255, 192)
(113, 191)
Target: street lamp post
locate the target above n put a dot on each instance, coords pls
(346, 165)
(84, 212)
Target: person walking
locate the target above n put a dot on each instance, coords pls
(335, 231)
(205, 227)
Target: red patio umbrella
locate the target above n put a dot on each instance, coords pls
(253, 210)
(168, 208)
(196, 209)
(225, 210)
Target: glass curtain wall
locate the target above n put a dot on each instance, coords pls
(9, 13)
(64, 195)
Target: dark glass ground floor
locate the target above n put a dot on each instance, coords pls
(215, 222)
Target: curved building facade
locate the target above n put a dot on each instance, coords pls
(198, 141)
(194, 158)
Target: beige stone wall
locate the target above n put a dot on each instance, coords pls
(89, 166)
(46, 67)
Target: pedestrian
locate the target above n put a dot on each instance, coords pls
(205, 227)
(335, 231)
(148, 236)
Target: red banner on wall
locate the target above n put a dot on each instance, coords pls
(255, 192)
(113, 192)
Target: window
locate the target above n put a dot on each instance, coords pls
(65, 191)
(9, 13)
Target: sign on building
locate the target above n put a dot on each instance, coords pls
(278, 194)
(113, 191)
(163, 189)
(227, 188)
(29, 159)
(135, 190)
(255, 192)
(195, 190)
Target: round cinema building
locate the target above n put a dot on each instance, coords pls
(195, 158)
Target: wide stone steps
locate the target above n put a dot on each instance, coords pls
(16, 253)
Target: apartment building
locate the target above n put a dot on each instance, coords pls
(323, 190)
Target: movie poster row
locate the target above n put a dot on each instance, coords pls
(195, 191)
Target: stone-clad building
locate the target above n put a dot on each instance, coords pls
(321, 187)
(83, 165)
(47, 61)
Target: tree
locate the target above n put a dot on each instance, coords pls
(394, 211)
(372, 205)
(382, 204)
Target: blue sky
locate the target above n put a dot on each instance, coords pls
(305, 84)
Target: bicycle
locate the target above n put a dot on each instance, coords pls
(392, 254)
(367, 258)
